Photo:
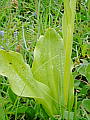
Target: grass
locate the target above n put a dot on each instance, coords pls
(23, 23)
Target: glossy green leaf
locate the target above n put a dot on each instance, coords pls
(86, 104)
(48, 65)
(68, 28)
(84, 70)
(20, 76)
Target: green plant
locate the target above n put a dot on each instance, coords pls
(50, 79)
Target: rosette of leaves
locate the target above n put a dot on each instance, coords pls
(50, 80)
(44, 80)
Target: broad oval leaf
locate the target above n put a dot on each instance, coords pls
(20, 76)
(48, 65)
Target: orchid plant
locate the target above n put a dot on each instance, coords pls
(49, 81)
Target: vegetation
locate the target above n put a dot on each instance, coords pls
(45, 60)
